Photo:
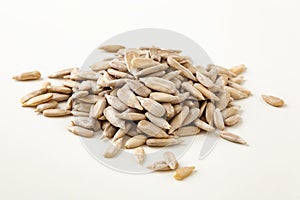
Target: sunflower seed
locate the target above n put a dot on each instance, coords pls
(45, 84)
(160, 122)
(27, 76)
(159, 166)
(204, 80)
(131, 116)
(235, 94)
(33, 94)
(135, 141)
(113, 149)
(151, 129)
(81, 131)
(142, 63)
(110, 114)
(116, 103)
(38, 100)
(203, 126)
(60, 97)
(183, 172)
(163, 97)
(79, 114)
(120, 66)
(51, 104)
(109, 131)
(84, 122)
(177, 121)
(56, 112)
(122, 131)
(224, 100)
(239, 87)
(98, 66)
(82, 107)
(192, 90)
(111, 48)
(152, 106)
(140, 155)
(159, 84)
(129, 56)
(92, 99)
(119, 74)
(163, 142)
(170, 159)
(128, 97)
(208, 94)
(187, 131)
(238, 69)
(170, 112)
(273, 101)
(202, 108)
(184, 71)
(209, 113)
(232, 120)
(192, 115)
(151, 70)
(59, 89)
(232, 137)
(171, 75)
(61, 73)
(218, 119)
(238, 79)
(79, 94)
(228, 112)
(139, 88)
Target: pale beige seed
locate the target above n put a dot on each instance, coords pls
(99, 107)
(239, 87)
(238, 79)
(79, 94)
(116, 103)
(80, 114)
(139, 88)
(59, 89)
(184, 71)
(213, 74)
(208, 94)
(142, 63)
(156, 74)
(158, 121)
(202, 108)
(152, 106)
(151, 70)
(177, 108)
(119, 74)
(128, 97)
(119, 65)
(151, 129)
(88, 74)
(111, 48)
(224, 71)
(232, 137)
(170, 112)
(228, 112)
(232, 120)
(177, 121)
(122, 131)
(129, 56)
(69, 104)
(102, 117)
(154, 55)
(98, 66)
(56, 112)
(61, 73)
(203, 126)
(163, 97)
(135, 141)
(69, 83)
(33, 94)
(235, 94)
(188, 64)
(82, 107)
(27, 76)
(109, 131)
(140, 155)
(218, 119)
(51, 104)
(171, 75)
(170, 159)
(104, 79)
(192, 115)
(176, 82)
(221, 81)
(159, 84)
(131, 116)
(224, 100)
(209, 112)
(133, 132)
(201, 70)
(187, 131)
(81, 131)
(183, 172)
(92, 99)
(110, 114)
(45, 84)
(113, 149)
(273, 101)
(118, 82)
(192, 90)
(204, 80)
(105, 124)
(38, 100)
(238, 69)
(59, 97)
(159, 166)
(154, 142)
(84, 122)
(84, 86)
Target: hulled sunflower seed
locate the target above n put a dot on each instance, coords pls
(238, 69)
(151, 70)
(119, 74)
(232, 120)
(81, 131)
(235, 94)
(224, 100)
(218, 119)
(273, 101)
(159, 166)
(183, 172)
(228, 112)
(177, 121)
(192, 115)
(239, 87)
(82, 107)
(192, 90)
(59, 89)
(38, 100)
(110, 114)
(163, 142)
(128, 97)
(171, 75)
(33, 94)
(59, 97)
(204, 80)
(203, 126)
(209, 113)
(135, 141)
(99, 108)
(170, 112)
(131, 116)
(139, 88)
(113, 149)
(109, 131)
(122, 131)
(79, 114)
(61, 73)
(116, 103)
(140, 155)
(163, 97)
(170, 159)
(160, 122)
(159, 84)
(142, 63)
(45, 84)
(232, 137)
(111, 48)
(151, 129)
(187, 131)
(56, 112)
(27, 76)
(205, 92)
(152, 106)
(184, 71)
(51, 104)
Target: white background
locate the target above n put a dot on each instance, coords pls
(39, 159)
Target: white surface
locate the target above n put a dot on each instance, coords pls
(40, 160)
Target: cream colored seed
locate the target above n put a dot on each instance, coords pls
(163, 97)
(122, 131)
(151, 129)
(232, 137)
(159, 84)
(59, 89)
(33, 94)
(273, 101)
(202, 108)
(208, 94)
(140, 155)
(27, 76)
(84, 122)
(129, 56)
(61, 73)
(204, 80)
(193, 114)
(81, 131)
(218, 119)
(171, 75)
(38, 100)
(159, 166)
(69, 83)
(209, 113)
(59, 97)
(56, 112)
(142, 63)
(92, 99)
(111, 48)
(224, 100)
(151, 70)
(184, 71)
(128, 97)
(158, 74)
(235, 94)
(135, 141)
(238, 79)
(187, 131)
(98, 66)
(203, 126)
(45, 84)
(44, 106)
(82, 107)
(158, 121)
(110, 114)
(191, 89)
(239, 87)
(109, 131)
(177, 121)
(152, 106)
(170, 159)
(228, 112)
(163, 142)
(116, 103)
(131, 116)
(99, 108)
(113, 149)
(120, 66)
(183, 172)
(238, 69)
(232, 120)
(79, 114)
(139, 88)
(170, 112)
(119, 74)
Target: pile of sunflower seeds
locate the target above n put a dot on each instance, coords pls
(143, 96)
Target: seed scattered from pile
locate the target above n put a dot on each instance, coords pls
(145, 96)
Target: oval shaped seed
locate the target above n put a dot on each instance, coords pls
(81, 131)
(232, 137)
(139, 88)
(160, 122)
(204, 126)
(80, 114)
(192, 115)
(151, 70)
(69, 83)
(202, 108)
(239, 87)
(45, 84)
(59, 97)
(224, 100)
(135, 141)
(113, 149)
(82, 107)
(27, 76)
(163, 97)
(98, 66)
(122, 131)
(232, 120)
(177, 121)
(110, 114)
(218, 119)
(235, 94)
(238, 69)
(187, 131)
(51, 104)
(38, 100)
(61, 73)
(159, 166)
(204, 80)
(208, 94)
(33, 94)
(170, 159)
(192, 90)
(131, 116)
(152, 106)
(151, 129)
(128, 97)
(171, 75)
(184, 71)
(273, 101)
(163, 142)
(116, 103)
(59, 89)
(183, 172)
(170, 112)
(119, 74)
(111, 48)
(109, 131)
(159, 84)
(56, 112)
(84, 122)
(92, 99)
(140, 155)
(228, 112)
(209, 113)
(142, 63)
